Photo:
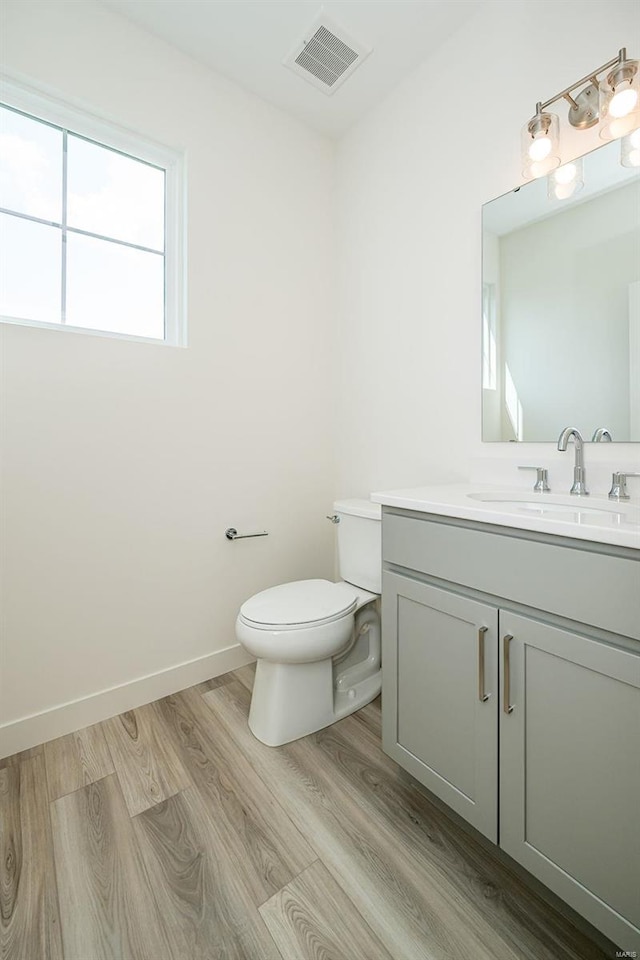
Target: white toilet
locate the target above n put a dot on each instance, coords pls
(317, 643)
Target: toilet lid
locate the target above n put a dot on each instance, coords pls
(303, 601)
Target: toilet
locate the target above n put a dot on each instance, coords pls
(317, 643)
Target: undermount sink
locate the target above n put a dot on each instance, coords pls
(538, 504)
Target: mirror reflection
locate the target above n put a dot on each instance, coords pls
(561, 305)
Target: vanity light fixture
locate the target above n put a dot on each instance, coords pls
(614, 101)
(565, 181)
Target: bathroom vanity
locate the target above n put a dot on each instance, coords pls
(511, 680)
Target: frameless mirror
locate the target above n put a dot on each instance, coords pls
(561, 307)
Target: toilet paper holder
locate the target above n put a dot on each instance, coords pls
(232, 534)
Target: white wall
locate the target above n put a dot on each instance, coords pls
(412, 178)
(125, 462)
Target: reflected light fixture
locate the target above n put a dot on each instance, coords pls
(614, 102)
(566, 181)
(630, 149)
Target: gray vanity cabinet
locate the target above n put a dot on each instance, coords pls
(511, 673)
(569, 776)
(444, 656)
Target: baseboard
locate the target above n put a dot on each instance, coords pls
(30, 731)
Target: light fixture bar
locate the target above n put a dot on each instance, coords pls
(590, 78)
(613, 103)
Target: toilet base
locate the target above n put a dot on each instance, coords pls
(292, 700)
(363, 693)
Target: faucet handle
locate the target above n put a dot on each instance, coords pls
(619, 485)
(541, 485)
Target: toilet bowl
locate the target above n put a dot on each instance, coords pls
(317, 643)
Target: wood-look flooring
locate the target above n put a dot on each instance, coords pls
(171, 833)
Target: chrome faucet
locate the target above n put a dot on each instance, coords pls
(602, 434)
(579, 486)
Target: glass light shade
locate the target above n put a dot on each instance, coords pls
(630, 149)
(620, 101)
(540, 145)
(566, 181)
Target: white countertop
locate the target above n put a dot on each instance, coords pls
(593, 518)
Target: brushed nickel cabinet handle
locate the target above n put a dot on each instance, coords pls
(508, 708)
(482, 696)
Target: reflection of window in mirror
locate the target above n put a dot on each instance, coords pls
(513, 404)
(489, 377)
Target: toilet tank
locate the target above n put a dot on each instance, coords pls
(360, 543)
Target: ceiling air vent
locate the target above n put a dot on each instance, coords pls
(326, 56)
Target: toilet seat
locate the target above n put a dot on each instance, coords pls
(302, 603)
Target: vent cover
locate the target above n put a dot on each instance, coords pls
(326, 56)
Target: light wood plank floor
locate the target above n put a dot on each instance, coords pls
(170, 833)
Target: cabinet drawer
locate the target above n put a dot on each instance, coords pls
(585, 586)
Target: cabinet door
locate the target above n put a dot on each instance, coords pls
(440, 680)
(570, 769)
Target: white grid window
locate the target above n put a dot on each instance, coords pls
(90, 224)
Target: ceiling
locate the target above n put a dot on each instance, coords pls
(247, 40)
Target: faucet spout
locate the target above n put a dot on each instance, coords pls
(579, 486)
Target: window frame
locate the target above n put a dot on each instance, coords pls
(40, 106)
